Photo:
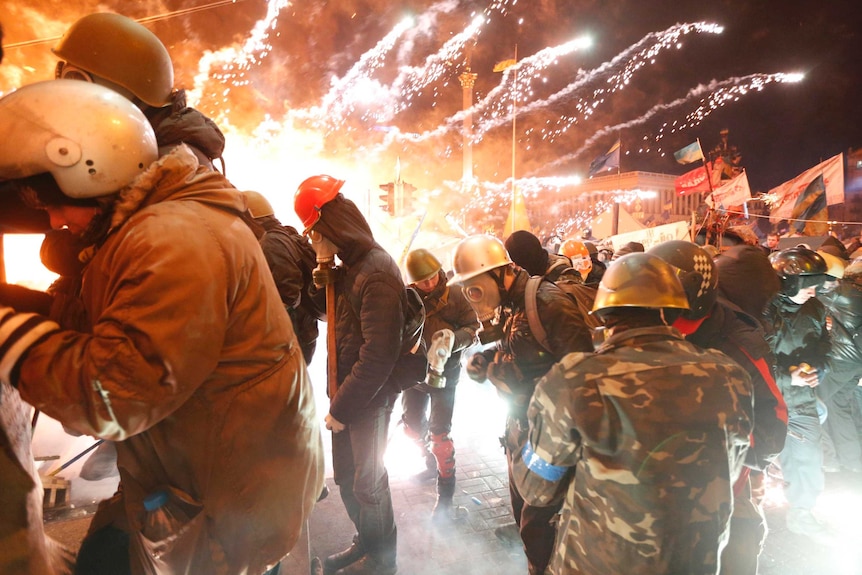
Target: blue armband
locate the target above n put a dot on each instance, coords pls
(540, 467)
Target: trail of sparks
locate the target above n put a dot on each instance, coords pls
(494, 109)
(234, 62)
(633, 59)
(718, 95)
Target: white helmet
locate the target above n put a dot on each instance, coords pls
(92, 140)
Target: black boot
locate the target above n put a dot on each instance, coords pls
(445, 492)
(344, 558)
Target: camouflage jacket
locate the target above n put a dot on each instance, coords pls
(643, 439)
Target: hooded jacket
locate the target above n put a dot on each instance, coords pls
(193, 368)
(369, 314)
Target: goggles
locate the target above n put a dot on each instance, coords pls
(66, 71)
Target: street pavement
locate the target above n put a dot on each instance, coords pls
(468, 545)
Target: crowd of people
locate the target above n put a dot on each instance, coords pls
(648, 391)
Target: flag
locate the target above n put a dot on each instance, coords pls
(504, 64)
(607, 161)
(734, 192)
(811, 206)
(695, 180)
(792, 193)
(690, 153)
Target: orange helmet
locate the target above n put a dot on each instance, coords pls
(311, 195)
(579, 254)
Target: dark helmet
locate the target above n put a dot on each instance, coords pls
(640, 280)
(798, 268)
(695, 270)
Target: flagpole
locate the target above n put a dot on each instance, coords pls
(711, 212)
(514, 132)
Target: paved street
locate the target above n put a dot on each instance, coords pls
(469, 545)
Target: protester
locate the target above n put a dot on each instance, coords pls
(291, 260)
(370, 300)
(527, 253)
(181, 357)
(495, 288)
(713, 322)
(450, 328)
(795, 323)
(842, 300)
(642, 439)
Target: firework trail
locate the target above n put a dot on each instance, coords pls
(235, 61)
(720, 93)
(495, 106)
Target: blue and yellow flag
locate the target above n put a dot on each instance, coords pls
(607, 161)
(690, 153)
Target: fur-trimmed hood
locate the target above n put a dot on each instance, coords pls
(169, 179)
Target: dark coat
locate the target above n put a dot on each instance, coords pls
(368, 316)
(739, 336)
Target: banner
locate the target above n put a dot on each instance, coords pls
(650, 237)
(607, 161)
(690, 153)
(695, 180)
(733, 193)
(803, 189)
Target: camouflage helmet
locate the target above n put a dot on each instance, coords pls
(640, 280)
(476, 255)
(695, 270)
(422, 265)
(121, 51)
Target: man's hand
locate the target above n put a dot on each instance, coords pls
(477, 368)
(333, 424)
(804, 376)
(323, 276)
(505, 376)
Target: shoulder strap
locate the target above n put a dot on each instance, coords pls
(533, 313)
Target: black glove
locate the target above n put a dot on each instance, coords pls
(323, 276)
(18, 331)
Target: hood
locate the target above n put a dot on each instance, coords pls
(177, 123)
(746, 278)
(343, 224)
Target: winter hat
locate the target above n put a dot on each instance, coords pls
(526, 251)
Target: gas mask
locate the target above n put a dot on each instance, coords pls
(323, 247)
(483, 295)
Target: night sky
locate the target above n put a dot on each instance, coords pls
(780, 132)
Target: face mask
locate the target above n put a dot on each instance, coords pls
(483, 294)
(324, 248)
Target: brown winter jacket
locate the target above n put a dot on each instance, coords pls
(193, 368)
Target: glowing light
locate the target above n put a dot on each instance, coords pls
(23, 266)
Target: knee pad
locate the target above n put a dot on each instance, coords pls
(443, 449)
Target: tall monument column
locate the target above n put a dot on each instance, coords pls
(468, 80)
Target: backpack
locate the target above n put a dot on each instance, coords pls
(582, 295)
(412, 365)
